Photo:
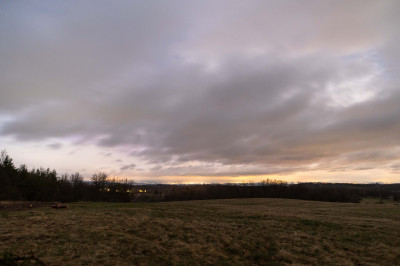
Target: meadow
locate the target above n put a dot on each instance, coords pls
(206, 232)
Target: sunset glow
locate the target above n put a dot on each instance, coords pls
(203, 92)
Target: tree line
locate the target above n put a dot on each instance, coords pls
(45, 185)
(272, 189)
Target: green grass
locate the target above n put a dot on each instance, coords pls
(222, 232)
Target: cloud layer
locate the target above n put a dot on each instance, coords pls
(214, 88)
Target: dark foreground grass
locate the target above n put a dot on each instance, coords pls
(214, 232)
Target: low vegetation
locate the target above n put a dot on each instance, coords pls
(209, 232)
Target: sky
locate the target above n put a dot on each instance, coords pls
(203, 91)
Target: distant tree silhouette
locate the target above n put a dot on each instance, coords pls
(99, 184)
(45, 185)
(78, 187)
(8, 176)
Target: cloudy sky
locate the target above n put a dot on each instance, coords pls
(203, 91)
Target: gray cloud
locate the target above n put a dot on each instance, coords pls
(128, 167)
(202, 89)
(55, 146)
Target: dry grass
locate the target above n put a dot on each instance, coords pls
(222, 232)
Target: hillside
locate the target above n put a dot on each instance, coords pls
(237, 231)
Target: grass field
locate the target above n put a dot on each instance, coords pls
(222, 232)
